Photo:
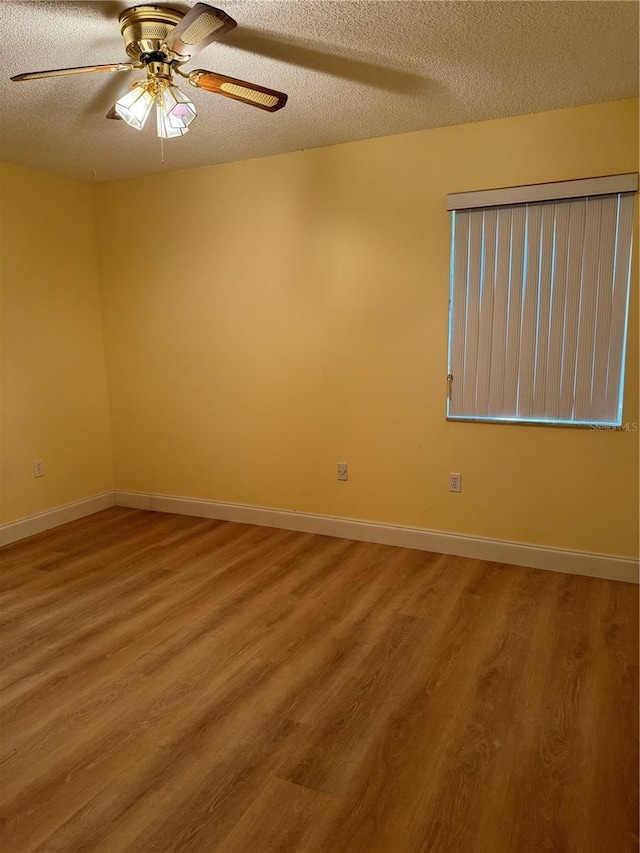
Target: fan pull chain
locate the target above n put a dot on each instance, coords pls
(162, 150)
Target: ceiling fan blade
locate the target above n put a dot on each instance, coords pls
(199, 27)
(239, 90)
(83, 69)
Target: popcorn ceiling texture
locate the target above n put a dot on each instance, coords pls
(352, 70)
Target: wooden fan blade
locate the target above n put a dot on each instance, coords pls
(62, 72)
(199, 27)
(239, 90)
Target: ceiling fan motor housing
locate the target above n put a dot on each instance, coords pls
(145, 28)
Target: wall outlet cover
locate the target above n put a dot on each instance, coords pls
(455, 482)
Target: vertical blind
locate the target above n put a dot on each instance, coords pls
(538, 311)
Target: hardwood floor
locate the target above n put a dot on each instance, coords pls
(179, 684)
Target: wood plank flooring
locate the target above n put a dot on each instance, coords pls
(180, 684)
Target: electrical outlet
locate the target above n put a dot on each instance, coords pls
(38, 468)
(455, 482)
(343, 471)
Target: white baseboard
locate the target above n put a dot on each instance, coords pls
(14, 530)
(496, 550)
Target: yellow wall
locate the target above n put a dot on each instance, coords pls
(54, 400)
(292, 314)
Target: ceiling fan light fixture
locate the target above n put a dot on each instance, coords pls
(134, 107)
(158, 40)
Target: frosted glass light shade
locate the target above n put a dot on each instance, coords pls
(175, 113)
(180, 110)
(135, 106)
(165, 129)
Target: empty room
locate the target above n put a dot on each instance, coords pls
(319, 427)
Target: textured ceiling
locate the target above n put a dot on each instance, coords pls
(352, 69)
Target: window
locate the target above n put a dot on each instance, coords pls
(539, 301)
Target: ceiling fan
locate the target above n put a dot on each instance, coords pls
(159, 40)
